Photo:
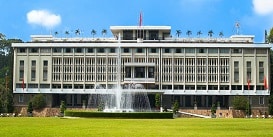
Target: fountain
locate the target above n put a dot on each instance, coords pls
(131, 98)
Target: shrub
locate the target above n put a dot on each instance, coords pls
(38, 101)
(175, 107)
(157, 100)
(29, 107)
(213, 109)
(135, 115)
(239, 103)
(62, 107)
(248, 109)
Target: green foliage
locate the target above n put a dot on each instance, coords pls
(213, 109)
(270, 36)
(6, 100)
(248, 109)
(101, 106)
(157, 100)
(62, 107)
(29, 107)
(240, 103)
(175, 107)
(134, 115)
(38, 101)
(270, 105)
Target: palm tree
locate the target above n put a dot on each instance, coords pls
(56, 33)
(178, 33)
(93, 32)
(77, 32)
(210, 33)
(221, 34)
(66, 33)
(189, 33)
(2, 36)
(104, 32)
(199, 33)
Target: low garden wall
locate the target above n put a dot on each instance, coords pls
(134, 115)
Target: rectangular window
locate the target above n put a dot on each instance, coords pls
(236, 71)
(45, 75)
(57, 50)
(202, 50)
(79, 50)
(33, 63)
(128, 72)
(33, 75)
(33, 50)
(261, 72)
(224, 50)
(126, 50)
(21, 50)
(68, 50)
(33, 70)
(21, 70)
(190, 50)
(90, 50)
(236, 50)
(151, 72)
(100, 50)
(139, 50)
(248, 70)
(45, 50)
(21, 63)
(112, 50)
(21, 75)
(213, 50)
(21, 98)
(167, 50)
(261, 100)
(178, 50)
(153, 50)
(139, 72)
(45, 63)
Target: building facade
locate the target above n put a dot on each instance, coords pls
(191, 70)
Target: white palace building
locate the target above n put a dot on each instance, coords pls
(201, 70)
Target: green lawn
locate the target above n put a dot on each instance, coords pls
(80, 127)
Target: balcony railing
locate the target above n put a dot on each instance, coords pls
(139, 80)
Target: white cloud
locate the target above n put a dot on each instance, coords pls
(263, 7)
(43, 18)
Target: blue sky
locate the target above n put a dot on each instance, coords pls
(22, 18)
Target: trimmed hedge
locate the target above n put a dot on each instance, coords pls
(133, 115)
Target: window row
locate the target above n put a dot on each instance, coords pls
(143, 50)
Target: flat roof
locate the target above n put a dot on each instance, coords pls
(148, 45)
(140, 27)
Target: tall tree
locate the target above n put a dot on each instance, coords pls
(6, 72)
(56, 33)
(93, 32)
(189, 33)
(178, 33)
(104, 32)
(221, 34)
(270, 36)
(199, 33)
(210, 33)
(77, 32)
(66, 33)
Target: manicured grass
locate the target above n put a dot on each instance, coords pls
(80, 127)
